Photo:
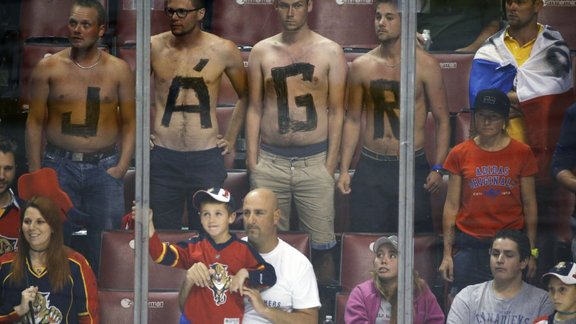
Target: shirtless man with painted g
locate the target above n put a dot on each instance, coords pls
(374, 86)
(294, 122)
(82, 104)
(188, 64)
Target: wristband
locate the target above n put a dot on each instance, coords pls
(437, 167)
(534, 253)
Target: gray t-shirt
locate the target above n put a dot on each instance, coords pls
(479, 304)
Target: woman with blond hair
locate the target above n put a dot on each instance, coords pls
(375, 301)
(44, 281)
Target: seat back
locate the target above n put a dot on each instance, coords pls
(340, 307)
(229, 20)
(560, 16)
(238, 184)
(117, 262)
(357, 259)
(349, 23)
(455, 69)
(117, 306)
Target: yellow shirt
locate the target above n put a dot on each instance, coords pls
(521, 53)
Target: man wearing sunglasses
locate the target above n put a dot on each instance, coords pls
(188, 64)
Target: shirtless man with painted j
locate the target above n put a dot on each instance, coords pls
(294, 122)
(374, 86)
(82, 105)
(188, 64)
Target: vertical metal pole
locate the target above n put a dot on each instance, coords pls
(142, 158)
(406, 181)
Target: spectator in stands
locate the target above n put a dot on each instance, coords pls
(491, 187)
(10, 204)
(561, 283)
(44, 281)
(294, 123)
(375, 300)
(82, 104)
(188, 64)
(564, 161)
(374, 87)
(506, 298)
(294, 298)
(460, 26)
(531, 63)
(227, 262)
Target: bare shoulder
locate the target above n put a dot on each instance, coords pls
(364, 62)
(117, 63)
(426, 59)
(266, 43)
(325, 44)
(219, 42)
(53, 61)
(160, 41)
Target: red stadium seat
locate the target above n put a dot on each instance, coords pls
(229, 20)
(238, 184)
(356, 258)
(117, 306)
(350, 24)
(46, 18)
(340, 307)
(117, 262)
(456, 71)
(560, 16)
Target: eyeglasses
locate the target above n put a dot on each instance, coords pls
(180, 12)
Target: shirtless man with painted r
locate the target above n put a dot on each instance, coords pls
(294, 122)
(374, 86)
(82, 104)
(188, 64)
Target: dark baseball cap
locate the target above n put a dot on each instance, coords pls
(565, 271)
(493, 100)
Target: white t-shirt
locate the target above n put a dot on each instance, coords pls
(295, 287)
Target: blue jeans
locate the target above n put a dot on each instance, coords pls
(93, 191)
(471, 261)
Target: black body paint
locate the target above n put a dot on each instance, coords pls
(285, 124)
(379, 90)
(90, 126)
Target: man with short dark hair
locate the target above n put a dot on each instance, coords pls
(374, 92)
(506, 298)
(188, 65)
(10, 204)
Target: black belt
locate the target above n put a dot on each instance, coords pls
(92, 158)
(381, 157)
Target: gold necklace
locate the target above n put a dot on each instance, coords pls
(86, 67)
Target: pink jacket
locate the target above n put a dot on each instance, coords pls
(364, 301)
